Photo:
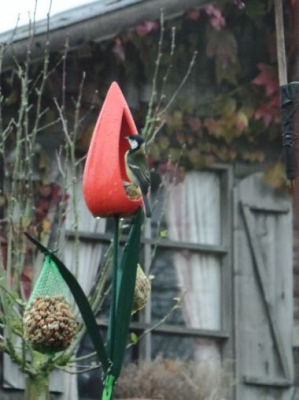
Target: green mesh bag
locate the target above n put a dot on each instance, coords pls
(49, 320)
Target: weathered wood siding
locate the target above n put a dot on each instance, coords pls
(263, 291)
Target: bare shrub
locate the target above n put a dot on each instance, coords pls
(164, 379)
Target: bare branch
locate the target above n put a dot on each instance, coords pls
(173, 97)
(162, 321)
(148, 120)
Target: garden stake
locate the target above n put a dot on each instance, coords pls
(111, 328)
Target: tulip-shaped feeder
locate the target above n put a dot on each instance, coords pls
(104, 179)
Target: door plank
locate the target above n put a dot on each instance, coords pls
(258, 381)
(260, 270)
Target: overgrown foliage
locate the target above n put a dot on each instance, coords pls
(236, 108)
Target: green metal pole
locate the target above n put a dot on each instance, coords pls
(109, 379)
(114, 284)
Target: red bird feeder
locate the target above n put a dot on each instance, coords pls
(105, 172)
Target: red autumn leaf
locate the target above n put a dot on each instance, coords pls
(45, 191)
(56, 195)
(217, 20)
(42, 208)
(194, 123)
(211, 10)
(266, 113)
(146, 27)
(26, 279)
(267, 78)
(194, 15)
(275, 101)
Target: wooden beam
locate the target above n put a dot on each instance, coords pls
(173, 330)
(281, 52)
(162, 243)
(265, 381)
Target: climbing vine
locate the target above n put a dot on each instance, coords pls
(230, 108)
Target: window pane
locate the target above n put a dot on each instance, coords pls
(193, 209)
(91, 256)
(83, 259)
(186, 348)
(192, 276)
(165, 288)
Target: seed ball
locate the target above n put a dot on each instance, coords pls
(142, 290)
(49, 324)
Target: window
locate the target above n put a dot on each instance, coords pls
(191, 263)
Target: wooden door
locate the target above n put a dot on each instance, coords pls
(263, 291)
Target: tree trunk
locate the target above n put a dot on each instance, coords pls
(37, 388)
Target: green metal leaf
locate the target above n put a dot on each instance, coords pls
(82, 303)
(125, 293)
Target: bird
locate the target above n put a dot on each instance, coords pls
(137, 169)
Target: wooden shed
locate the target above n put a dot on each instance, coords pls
(221, 236)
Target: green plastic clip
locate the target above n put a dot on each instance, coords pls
(108, 387)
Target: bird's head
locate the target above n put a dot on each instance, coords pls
(135, 141)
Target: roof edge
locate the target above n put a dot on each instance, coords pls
(98, 27)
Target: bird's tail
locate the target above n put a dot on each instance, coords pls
(147, 207)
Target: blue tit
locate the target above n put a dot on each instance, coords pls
(137, 169)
